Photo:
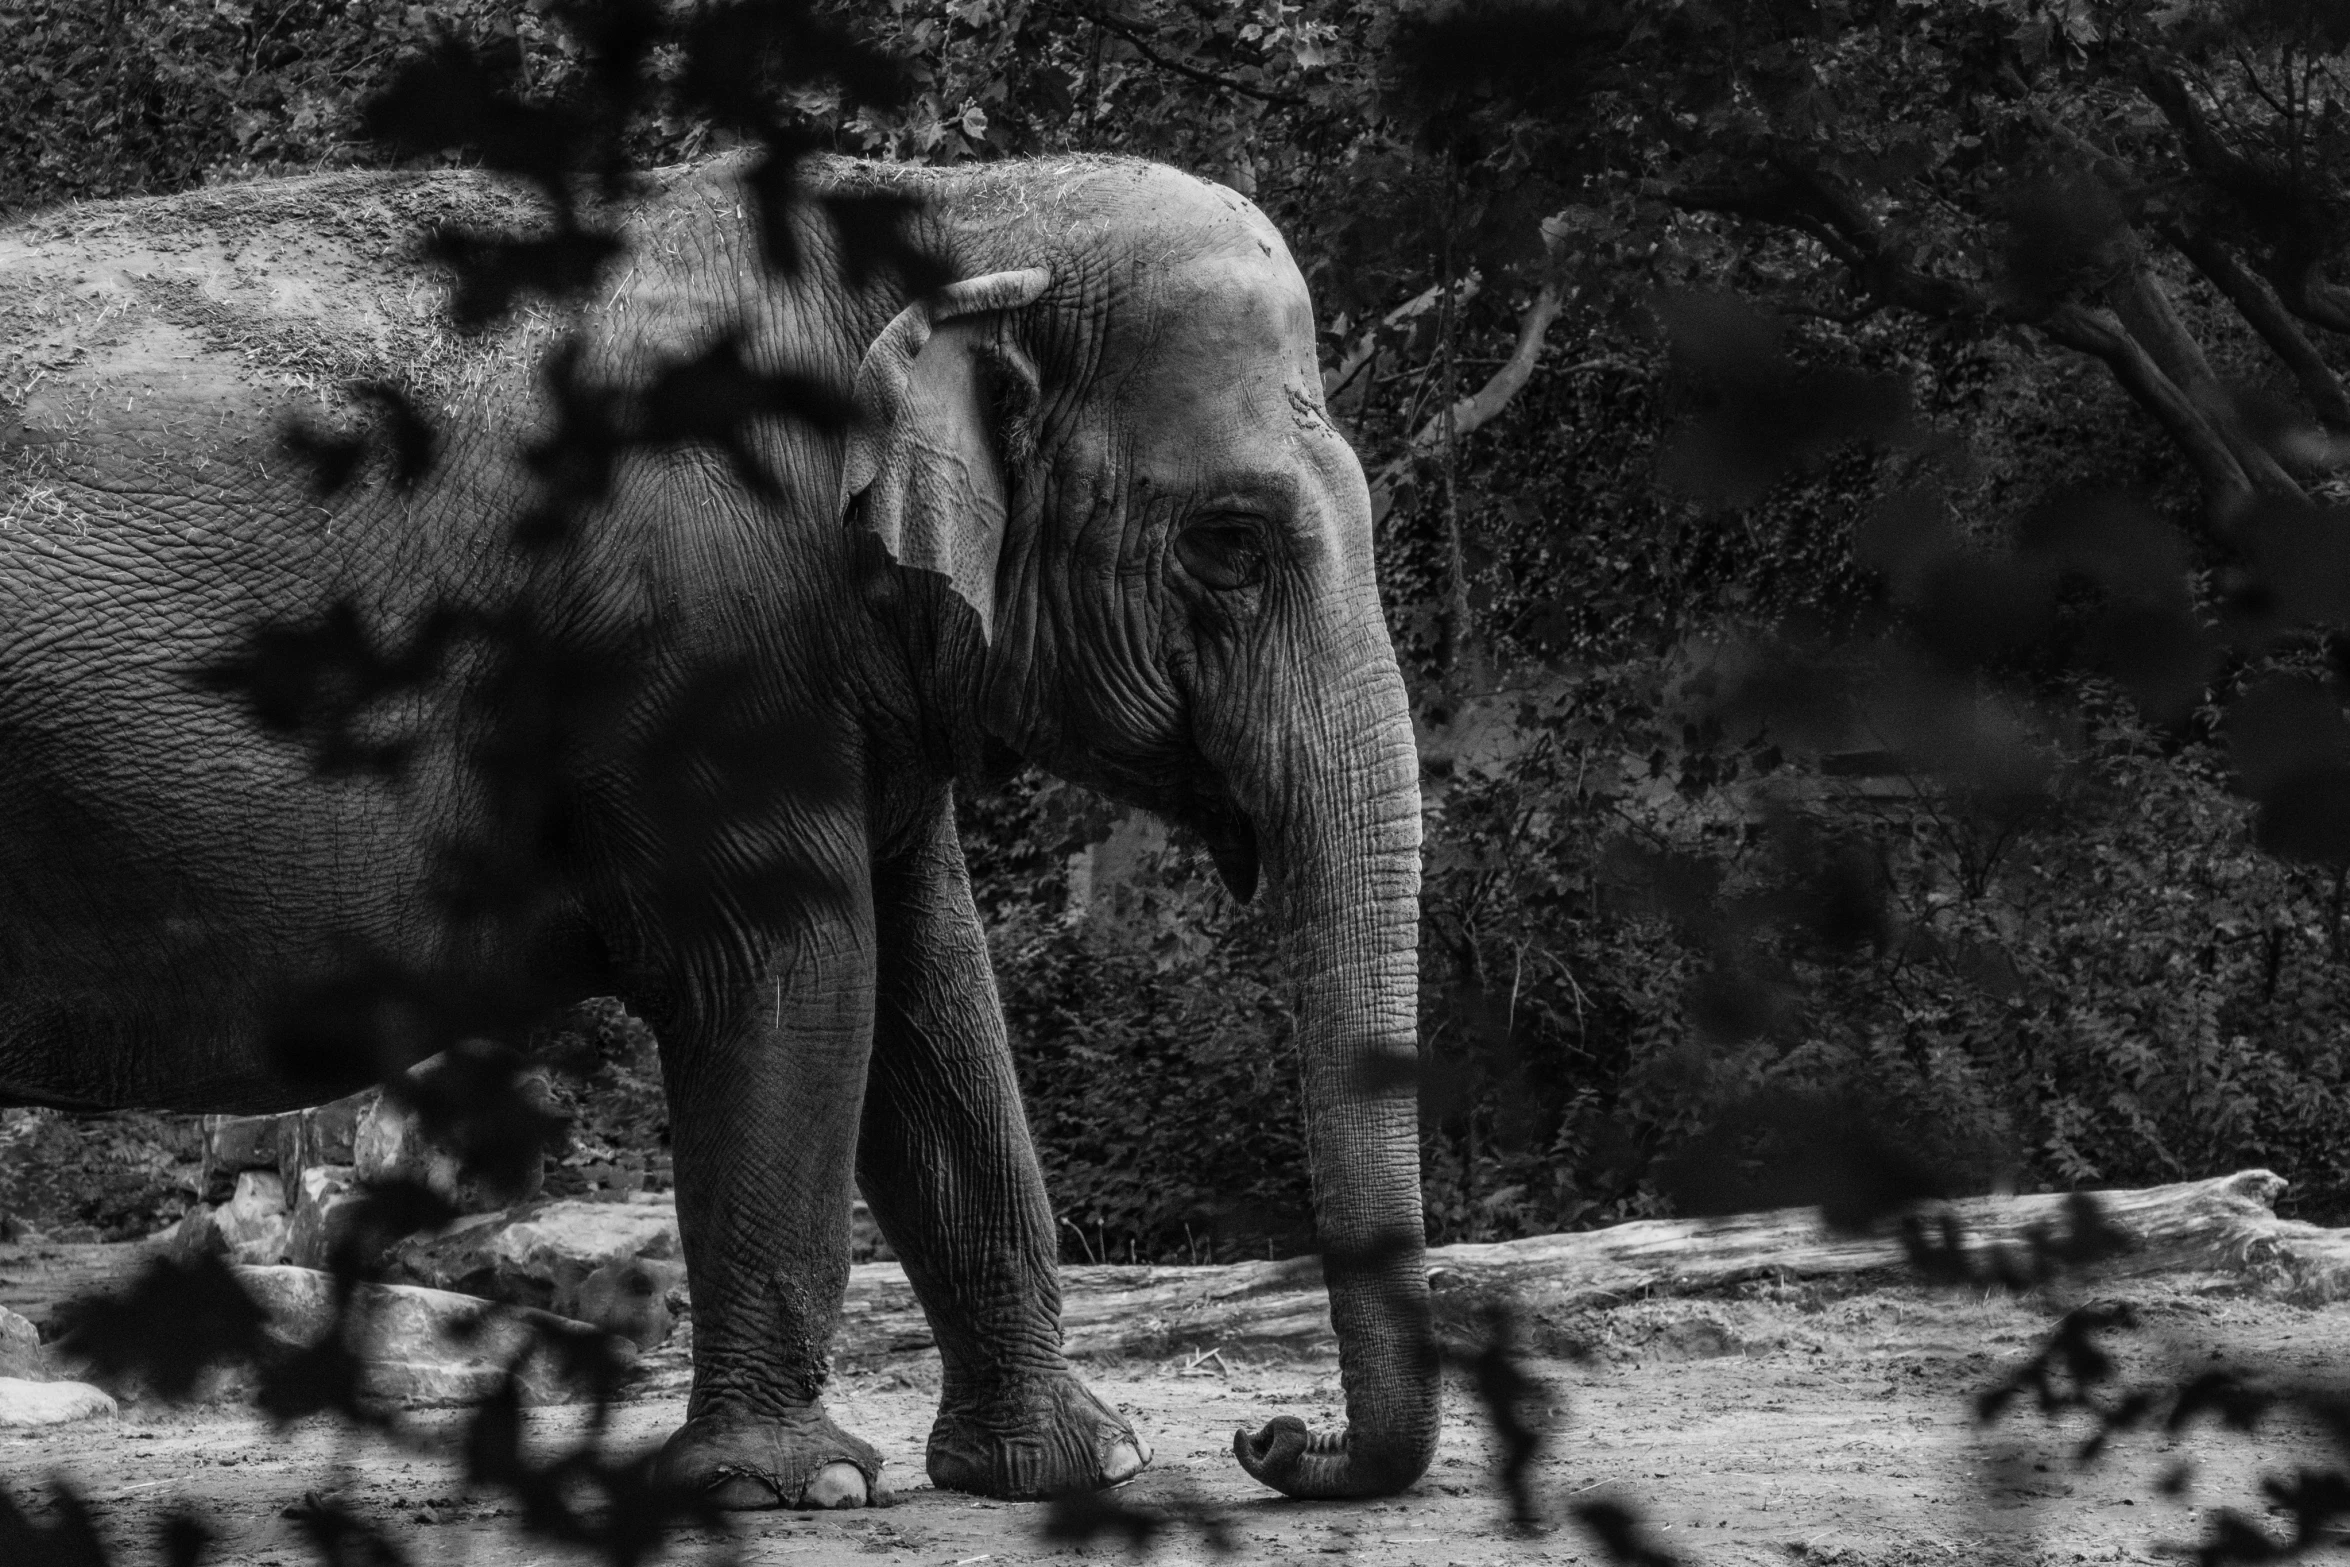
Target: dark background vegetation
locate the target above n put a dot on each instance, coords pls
(1983, 301)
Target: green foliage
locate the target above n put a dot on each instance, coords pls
(2154, 186)
(1152, 1041)
(1163, 1097)
(111, 99)
(605, 1083)
(112, 1177)
(2113, 987)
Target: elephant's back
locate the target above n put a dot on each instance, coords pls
(151, 353)
(163, 849)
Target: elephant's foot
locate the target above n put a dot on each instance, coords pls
(742, 1461)
(1042, 1436)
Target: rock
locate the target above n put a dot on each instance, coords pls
(866, 1242)
(235, 1143)
(307, 1139)
(540, 1252)
(194, 1236)
(251, 1227)
(606, 1180)
(254, 1222)
(288, 1144)
(390, 1145)
(25, 1403)
(21, 1355)
(629, 1298)
(326, 1193)
(421, 1348)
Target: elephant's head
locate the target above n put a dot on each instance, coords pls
(1110, 442)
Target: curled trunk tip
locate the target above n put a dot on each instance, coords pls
(1329, 1466)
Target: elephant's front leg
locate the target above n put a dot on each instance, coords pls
(765, 1080)
(947, 1165)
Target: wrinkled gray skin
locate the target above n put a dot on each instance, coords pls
(1179, 609)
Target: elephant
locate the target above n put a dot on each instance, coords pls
(1091, 514)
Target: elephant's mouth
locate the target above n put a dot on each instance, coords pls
(1232, 844)
(1187, 795)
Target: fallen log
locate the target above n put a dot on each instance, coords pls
(2225, 1228)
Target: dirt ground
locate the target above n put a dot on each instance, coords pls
(1814, 1430)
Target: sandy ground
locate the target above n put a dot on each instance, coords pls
(1835, 1431)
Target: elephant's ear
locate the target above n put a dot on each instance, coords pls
(926, 456)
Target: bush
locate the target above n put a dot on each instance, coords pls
(605, 1082)
(1153, 1048)
(2108, 985)
(118, 1177)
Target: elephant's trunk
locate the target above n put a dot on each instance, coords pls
(1343, 853)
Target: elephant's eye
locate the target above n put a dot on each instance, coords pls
(1224, 553)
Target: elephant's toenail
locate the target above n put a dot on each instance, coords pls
(836, 1485)
(736, 1493)
(1124, 1461)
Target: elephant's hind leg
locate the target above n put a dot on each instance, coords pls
(948, 1168)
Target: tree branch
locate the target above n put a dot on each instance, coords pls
(1366, 346)
(1806, 310)
(2137, 298)
(1779, 202)
(2274, 207)
(1813, 204)
(2260, 307)
(2101, 335)
(2172, 382)
(1481, 405)
(2311, 297)
(1205, 78)
(2144, 309)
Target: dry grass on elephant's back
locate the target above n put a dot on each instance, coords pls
(291, 290)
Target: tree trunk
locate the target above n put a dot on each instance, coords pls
(1488, 400)
(2224, 1227)
(2143, 306)
(2101, 335)
(2258, 304)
